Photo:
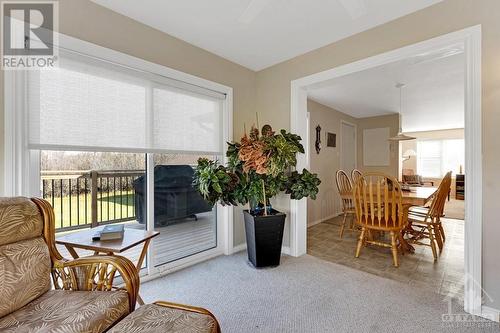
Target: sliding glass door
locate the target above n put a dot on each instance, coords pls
(93, 189)
(186, 222)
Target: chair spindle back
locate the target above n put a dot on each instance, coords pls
(378, 201)
(355, 176)
(344, 187)
(437, 206)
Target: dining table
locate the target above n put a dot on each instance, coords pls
(418, 196)
(414, 196)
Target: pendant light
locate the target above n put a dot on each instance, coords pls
(400, 136)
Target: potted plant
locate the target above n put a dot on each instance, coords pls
(259, 167)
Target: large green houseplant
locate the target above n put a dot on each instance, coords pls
(259, 167)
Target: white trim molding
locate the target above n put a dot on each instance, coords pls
(473, 165)
(490, 313)
(470, 39)
(323, 219)
(239, 248)
(298, 208)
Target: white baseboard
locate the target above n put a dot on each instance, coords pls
(285, 250)
(323, 219)
(490, 313)
(242, 247)
(239, 248)
(181, 264)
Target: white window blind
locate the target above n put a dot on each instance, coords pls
(437, 157)
(90, 104)
(186, 122)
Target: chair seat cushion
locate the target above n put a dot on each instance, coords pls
(419, 210)
(419, 219)
(156, 318)
(68, 312)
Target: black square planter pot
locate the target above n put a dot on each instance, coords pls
(264, 238)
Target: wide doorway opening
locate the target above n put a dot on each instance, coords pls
(417, 117)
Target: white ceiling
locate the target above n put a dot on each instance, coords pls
(260, 33)
(432, 98)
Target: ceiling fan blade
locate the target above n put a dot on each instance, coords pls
(355, 8)
(255, 7)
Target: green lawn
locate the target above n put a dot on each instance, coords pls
(110, 207)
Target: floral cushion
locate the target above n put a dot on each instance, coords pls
(24, 273)
(68, 312)
(24, 256)
(19, 219)
(155, 318)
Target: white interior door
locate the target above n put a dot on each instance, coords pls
(348, 147)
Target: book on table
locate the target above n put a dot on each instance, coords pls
(111, 232)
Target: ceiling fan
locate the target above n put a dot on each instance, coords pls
(355, 9)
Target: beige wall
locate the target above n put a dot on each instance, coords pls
(88, 21)
(326, 163)
(391, 121)
(273, 91)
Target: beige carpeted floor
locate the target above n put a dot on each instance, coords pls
(305, 295)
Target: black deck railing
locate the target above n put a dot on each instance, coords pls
(83, 199)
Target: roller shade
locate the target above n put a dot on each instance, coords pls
(93, 105)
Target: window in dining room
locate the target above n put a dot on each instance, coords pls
(436, 157)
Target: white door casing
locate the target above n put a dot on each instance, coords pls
(348, 147)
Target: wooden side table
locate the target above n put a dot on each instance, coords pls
(131, 238)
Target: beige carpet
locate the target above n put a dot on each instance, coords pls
(455, 209)
(306, 295)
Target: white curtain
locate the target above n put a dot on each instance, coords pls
(88, 104)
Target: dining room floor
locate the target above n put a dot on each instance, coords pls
(445, 276)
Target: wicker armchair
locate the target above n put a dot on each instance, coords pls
(85, 298)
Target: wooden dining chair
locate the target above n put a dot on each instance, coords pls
(378, 206)
(344, 187)
(425, 222)
(355, 176)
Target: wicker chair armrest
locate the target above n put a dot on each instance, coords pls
(97, 273)
(190, 309)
